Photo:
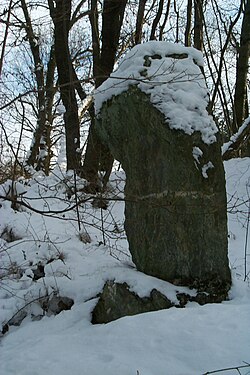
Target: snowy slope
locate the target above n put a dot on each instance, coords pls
(188, 341)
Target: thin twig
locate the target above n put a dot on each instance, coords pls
(76, 204)
(226, 369)
(246, 243)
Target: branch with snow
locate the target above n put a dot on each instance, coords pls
(236, 140)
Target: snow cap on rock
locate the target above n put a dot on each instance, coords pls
(171, 75)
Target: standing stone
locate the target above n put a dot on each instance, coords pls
(175, 209)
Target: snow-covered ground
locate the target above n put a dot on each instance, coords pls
(189, 341)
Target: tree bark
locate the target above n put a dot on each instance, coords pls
(156, 20)
(139, 21)
(61, 18)
(98, 156)
(240, 96)
(45, 95)
(39, 74)
(93, 17)
(162, 27)
(198, 24)
(5, 36)
(49, 99)
(177, 12)
(188, 24)
(112, 19)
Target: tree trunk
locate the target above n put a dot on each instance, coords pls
(240, 96)
(39, 74)
(112, 19)
(61, 18)
(177, 12)
(98, 156)
(139, 21)
(219, 68)
(40, 153)
(188, 24)
(162, 27)
(5, 36)
(156, 20)
(49, 98)
(198, 24)
(93, 17)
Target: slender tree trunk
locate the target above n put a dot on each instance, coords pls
(156, 20)
(95, 38)
(139, 21)
(177, 12)
(198, 24)
(240, 96)
(39, 74)
(45, 142)
(92, 153)
(5, 36)
(40, 154)
(61, 18)
(162, 27)
(246, 104)
(219, 69)
(98, 156)
(112, 19)
(188, 24)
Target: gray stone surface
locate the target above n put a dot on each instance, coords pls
(175, 217)
(117, 300)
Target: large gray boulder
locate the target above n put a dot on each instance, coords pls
(175, 210)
